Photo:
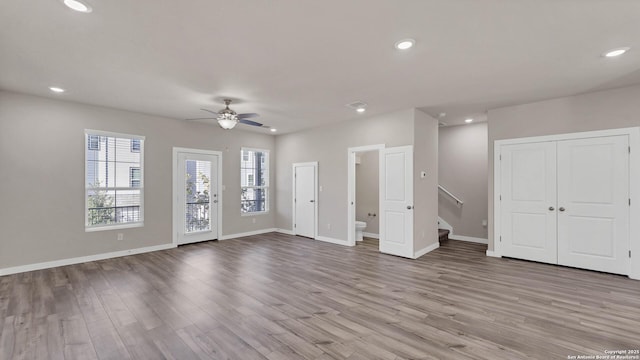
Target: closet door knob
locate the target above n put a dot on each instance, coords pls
(561, 209)
(551, 208)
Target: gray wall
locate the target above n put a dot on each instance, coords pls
(42, 170)
(328, 145)
(601, 110)
(463, 163)
(368, 190)
(425, 190)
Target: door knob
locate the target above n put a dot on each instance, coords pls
(551, 208)
(409, 207)
(311, 200)
(561, 209)
(215, 201)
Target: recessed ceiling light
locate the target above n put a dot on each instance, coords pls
(361, 110)
(56, 89)
(405, 44)
(469, 120)
(442, 114)
(273, 130)
(616, 52)
(77, 6)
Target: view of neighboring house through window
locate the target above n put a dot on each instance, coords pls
(254, 181)
(113, 180)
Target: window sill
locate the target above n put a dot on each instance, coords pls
(113, 227)
(257, 213)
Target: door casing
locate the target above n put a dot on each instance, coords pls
(313, 164)
(177, 223)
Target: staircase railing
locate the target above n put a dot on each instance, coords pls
(450, 194)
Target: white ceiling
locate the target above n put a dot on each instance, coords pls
(298, 62)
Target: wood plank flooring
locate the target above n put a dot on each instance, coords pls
(276, 296)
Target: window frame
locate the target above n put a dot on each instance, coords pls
(140, 223)
(266, 187)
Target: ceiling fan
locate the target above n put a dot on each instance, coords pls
(228, 119)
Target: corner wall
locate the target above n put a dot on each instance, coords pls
(42, 177)
(425, 190)
(328, 146)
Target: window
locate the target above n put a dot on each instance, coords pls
(114, 174)
(93, 143)
(135, 145)
(134, 177)
(254, 181)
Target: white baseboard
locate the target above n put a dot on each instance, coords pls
(469, 239)
(492, 254)
(249, 233)
(371, 235)
(285, 231)
(82, 259)
(332, 240)
(426, 250)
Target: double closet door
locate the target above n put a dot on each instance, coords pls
(567, 202)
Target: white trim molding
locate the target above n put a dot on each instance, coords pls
(371, 235)
(248, 233)
(333, 241)
(426, 250)
(469, 239)
(491, 253)
(82, 259)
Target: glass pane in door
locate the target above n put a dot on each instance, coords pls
(197, 195)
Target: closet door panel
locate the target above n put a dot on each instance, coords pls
(593, 203)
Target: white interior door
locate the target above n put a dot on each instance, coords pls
(528, 201)
(593, 200)
(304, 200)
(197, 197)
(396, 201)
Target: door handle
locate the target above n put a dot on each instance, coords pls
(551, 208)
(215, 201)
(409, 207)
(561, 209)
(311, 200)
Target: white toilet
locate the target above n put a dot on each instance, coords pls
(360, 226)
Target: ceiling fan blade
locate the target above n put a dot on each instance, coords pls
(247, 115)
(207, 118)
(210, 111)
(249, 122)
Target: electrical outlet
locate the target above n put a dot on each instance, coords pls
(120, 236)
(253, 220)
(320, 188)
(329, 226)
(484, 223)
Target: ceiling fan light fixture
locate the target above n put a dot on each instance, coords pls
(227, 123)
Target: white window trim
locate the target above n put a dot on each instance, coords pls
(267, 182)
(87, 227)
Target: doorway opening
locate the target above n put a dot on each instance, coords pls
(364, 193)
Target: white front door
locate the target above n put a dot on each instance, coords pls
(396, 201)
(197, 197)
(528, 201)
(593, 201)
(304, 200)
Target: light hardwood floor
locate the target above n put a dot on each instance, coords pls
(276, 296)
